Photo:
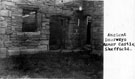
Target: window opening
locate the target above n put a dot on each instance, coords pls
(29, 20)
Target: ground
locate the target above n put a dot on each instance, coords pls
(52, 65)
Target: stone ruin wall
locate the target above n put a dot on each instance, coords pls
(96, 10)
(13, 39)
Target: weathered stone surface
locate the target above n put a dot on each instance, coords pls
(2, 19)
(32, 33)
(11, 23)
(47, 27)
(3, 24)
(13, 52)
(17, 13)
(1, 44)
(8, 43)
(46, 20)
(44, 37)
(43, 24)
(58, 10)
(3, 52)
(67, 12)
(45, 47)
(47, 15)
(8, 3)
(5, 13)
(51, 9)
(45, 32)
(43, 28)
(2, 30)
(44, 42)
(29, 51)
(5, 37)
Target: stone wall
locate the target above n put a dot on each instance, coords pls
(95, 10)
(5, 16)
(13, 40)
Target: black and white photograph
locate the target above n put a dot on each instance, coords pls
(61, 39)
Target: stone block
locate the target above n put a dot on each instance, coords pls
(2, 6)
(46, 42)
(45, 32)
(1, 37)
(47, 27)
(43, 24)
(5, 37)
(18, 29)
(13, 35)
(3, 24)
(8, 3)
(46, 20)
(32, 33)
(17, 11)
(13, 52)
(8, 32)
(29, 51)
(3, 52)
(17, 1)
(58, 8)
(45, 47)
(68, 12)
(4, 12)
(13, 39)
(48, 36)
(43, 37)
(8, 43)
(51, 9)
(1, 44)
(2, 19)
(43, 28)
(47, 15)
(2, 30)
(20, 33)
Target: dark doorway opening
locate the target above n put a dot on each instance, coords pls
(88, 33)
(58, 32)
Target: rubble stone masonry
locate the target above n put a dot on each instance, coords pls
(13, 40)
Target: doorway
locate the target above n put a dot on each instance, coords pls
(58, 32)
(88, 33)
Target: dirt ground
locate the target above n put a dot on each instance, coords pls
(52, 65)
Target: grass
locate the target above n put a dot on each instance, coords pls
(52, 65)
